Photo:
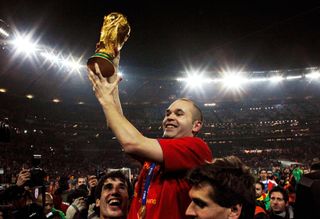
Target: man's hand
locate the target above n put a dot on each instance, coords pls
(104, 90)
(23, 177)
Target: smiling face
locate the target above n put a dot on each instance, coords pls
(114, 199)
(181, 120)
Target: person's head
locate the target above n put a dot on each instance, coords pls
(259, 189)
(263, 174)
(48, 204)
(222, 189)
(269, 174)
(183, 118)
(113, 194)
(92, 181)
(81, 181)
(278, 199)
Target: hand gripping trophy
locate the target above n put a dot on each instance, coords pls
(115, 32)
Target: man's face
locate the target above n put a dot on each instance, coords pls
(92, 181)
(277, 203)
(263, 175)
(48, 205)
(114, 200)
(202, 206)
(178, 120)
(259, 190)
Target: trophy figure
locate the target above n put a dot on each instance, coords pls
(115, 32)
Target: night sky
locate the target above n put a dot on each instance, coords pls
(168, 36)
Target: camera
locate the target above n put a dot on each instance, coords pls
(37, 173)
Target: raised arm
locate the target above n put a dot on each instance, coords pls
(132, 141)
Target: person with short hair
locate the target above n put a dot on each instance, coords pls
(161, 190)
(113, 194)
(48, 209)
(279, 204)
(268, 183)
(222, 189)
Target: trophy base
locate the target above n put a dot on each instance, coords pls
(105, 64)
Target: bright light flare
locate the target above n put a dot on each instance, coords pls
(3, 90)
(4, 33)
(29, 96)
(24, 44)
(233, 80)
(194, 79)
(50, 57)
(71, 64)
(276, 79)
(313, 75)
(292, 77)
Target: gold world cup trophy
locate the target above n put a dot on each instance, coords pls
(115, 32)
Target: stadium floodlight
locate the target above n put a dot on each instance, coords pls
(3, 90)
(56, 100)
(313, 75)
(50, 57)
(233, 80)
(257, 79)
(120, 73)
(194, 79)
(4, 33)
(293, 77)
(71, 64)
(276, 79)
(24, 44)
(29, 96)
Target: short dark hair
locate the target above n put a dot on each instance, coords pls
(113, 175)
(262, 185)
(197, 115)
(231, 181)
(282, 191)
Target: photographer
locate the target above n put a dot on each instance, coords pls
(19, 199)
(79, 207)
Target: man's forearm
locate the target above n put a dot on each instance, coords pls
(128, 136)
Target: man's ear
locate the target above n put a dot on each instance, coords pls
(235, 211)
(97, 202)
(196, 126)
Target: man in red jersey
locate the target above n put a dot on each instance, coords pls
(161, 190)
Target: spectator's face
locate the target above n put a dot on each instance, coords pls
(263, 175)
(178, 120)
(48, 205)
(277, 203)
(92, 181)
(81, 181)
(269, 174)
(114, 200)
(259, 190)
(203, 207)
